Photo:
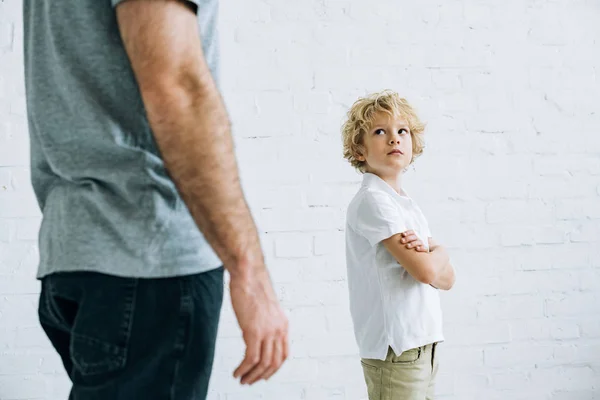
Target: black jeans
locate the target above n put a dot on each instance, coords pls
(129, 338)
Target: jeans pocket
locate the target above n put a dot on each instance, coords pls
(102, 327)
(408, 357)
(94, 357)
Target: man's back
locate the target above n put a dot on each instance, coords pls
(108, 203)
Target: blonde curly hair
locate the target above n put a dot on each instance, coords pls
(360, 118)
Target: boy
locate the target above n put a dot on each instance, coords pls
(394, 267)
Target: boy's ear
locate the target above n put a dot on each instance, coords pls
(359, 153)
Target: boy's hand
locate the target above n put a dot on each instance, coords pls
(411, 241)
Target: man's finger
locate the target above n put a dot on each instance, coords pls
(252, 358)
(286, 346)
(277, 359)
(266, 358)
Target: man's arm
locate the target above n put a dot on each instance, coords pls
(431, 268)
(192, 130)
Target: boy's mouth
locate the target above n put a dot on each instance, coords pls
(395, 151)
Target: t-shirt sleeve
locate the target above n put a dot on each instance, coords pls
(378, 217)
(191, 3)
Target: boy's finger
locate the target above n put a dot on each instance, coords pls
(406, 233)
(415, 244)
(410, 238)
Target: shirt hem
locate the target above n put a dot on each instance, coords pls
(407, 345)
(165, 269)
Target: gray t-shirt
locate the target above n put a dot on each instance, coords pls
(107, 201)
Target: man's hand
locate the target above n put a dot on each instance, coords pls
(412, 241)
(263, 323)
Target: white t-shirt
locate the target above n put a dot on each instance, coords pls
(389, 307)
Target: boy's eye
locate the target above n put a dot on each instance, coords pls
(403, 131)
(379, 132)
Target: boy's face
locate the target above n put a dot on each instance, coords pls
(388, 145)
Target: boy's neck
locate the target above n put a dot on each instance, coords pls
(394, 180)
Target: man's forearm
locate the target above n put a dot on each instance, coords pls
(193, 133)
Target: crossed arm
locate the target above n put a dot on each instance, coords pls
(430, 267)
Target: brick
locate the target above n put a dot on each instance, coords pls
(325, 393)
(331, 344)
(512, 355)
(569, 187)
(5, 179)
(574, 394)
(512, 211)
(286, 270)
(308, 321)
(543, 329)
(530, 282)
(31, 338)
(311, 219)
(278, 391)
(293, 246)
(566, 378)
(462, 357)
(28, 228)
(517, 236)
(313, 293)
(473, 335)
(17, 387)
(328, 243)
(340, 370)
(19, 364)
(572, 305)
(6, 35)
(510, 379)
(469, 383)
(325, 268)
(18, 204)
(12, 284)
(589, 327)
(331, 195)
(511, 307)
(338, 319)
(14, 152)
(298, 370)
(566, 256)
(586, 231)
(7, 229)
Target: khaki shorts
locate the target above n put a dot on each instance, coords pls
(409, 376)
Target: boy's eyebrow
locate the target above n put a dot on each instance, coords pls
(382, 125)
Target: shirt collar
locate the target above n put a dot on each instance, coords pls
(375, 182)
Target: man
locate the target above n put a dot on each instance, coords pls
(131, 153)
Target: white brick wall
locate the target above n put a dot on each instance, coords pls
(510, 181)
